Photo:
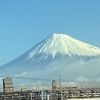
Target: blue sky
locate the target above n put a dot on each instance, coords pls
(23, 23)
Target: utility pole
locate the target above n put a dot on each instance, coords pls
(42, 95)
(31, 96)
(48, 97)
(60, 83)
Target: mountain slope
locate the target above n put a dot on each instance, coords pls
(64, 44)
(57, 54)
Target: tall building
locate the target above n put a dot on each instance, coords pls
(54, 85)
(7, 85)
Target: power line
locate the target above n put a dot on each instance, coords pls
(29, 78)
(48, 79)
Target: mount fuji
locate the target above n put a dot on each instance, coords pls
(58, 54)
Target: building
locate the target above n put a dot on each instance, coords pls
(62, 87)
(54, 85)
(7, 85)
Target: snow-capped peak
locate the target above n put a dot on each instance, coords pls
(64, 44)
(38, 60)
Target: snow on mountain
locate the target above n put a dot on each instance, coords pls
(58, 54)
(64, 44)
